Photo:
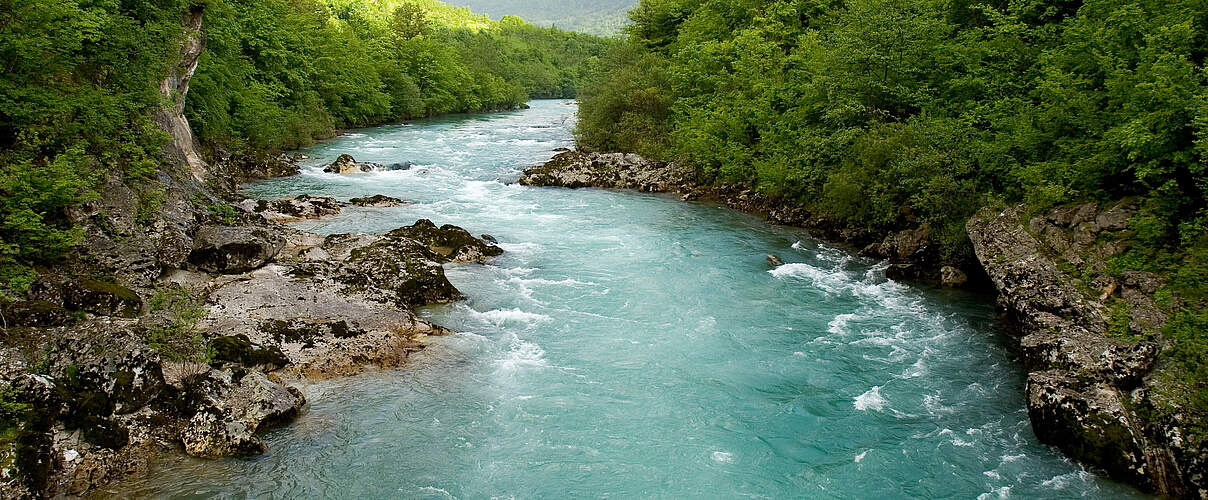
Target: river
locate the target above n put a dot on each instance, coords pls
(631, 345)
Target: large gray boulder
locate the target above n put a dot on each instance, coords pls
(234, 250)
(233, 409)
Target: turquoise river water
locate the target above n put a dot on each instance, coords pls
(630, 345)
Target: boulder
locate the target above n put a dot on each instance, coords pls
(398, 166)
(903, 272)
(346, 164)
(448, 243)
(952, 277)
(102, 298)
(234, 407)
(234, 250)
(377, 201)
(241, 350)
(35, 313)
(774, 261)
(576, 169)
(103, 369)
(403, 270)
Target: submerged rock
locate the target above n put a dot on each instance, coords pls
(774, 261)
(234, 250)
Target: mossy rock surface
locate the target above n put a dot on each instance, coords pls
(241, 350)
(102, 298)
(36, 313)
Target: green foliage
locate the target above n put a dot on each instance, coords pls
(888, 114)
(12, 413)
(279, 74)
(599, 17)
(81, 82)
(177, 337)
(224, 212)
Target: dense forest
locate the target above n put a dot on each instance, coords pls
(599, 17)
(887, 114)
(81, 79)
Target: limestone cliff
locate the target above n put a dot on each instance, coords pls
(174, 88)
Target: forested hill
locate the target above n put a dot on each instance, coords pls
(599, 17)
(81, 80)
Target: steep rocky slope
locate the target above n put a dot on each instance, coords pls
(1094, 385)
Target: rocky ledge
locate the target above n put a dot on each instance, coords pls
(1093, 385)
(912, 253)
(101, 377)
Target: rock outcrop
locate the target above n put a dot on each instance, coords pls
(174, 87)
(1091, 384)
(377, 200)
(293, 209)
(575, 169)
(234, 250)
(346, 164)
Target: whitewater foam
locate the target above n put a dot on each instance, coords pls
(870, 400)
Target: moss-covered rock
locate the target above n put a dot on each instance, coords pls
(448, 243)
(241, 350)
(35, 313)
(102, 298)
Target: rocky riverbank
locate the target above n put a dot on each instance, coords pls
(912, 253)
(1092, 340)
(110, 362)
(184, 315)
(1089, 335)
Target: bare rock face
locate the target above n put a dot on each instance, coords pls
(234, 410)
(294, 209)
(1089, 391)
(234, 250)
(174, 88)
(1089, 421)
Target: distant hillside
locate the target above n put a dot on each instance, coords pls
(601, 17)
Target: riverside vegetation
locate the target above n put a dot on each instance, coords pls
(140, 299)
(1058, 148)
(881, 116)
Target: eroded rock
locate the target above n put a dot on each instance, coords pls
(293, 209)
(233, 250)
